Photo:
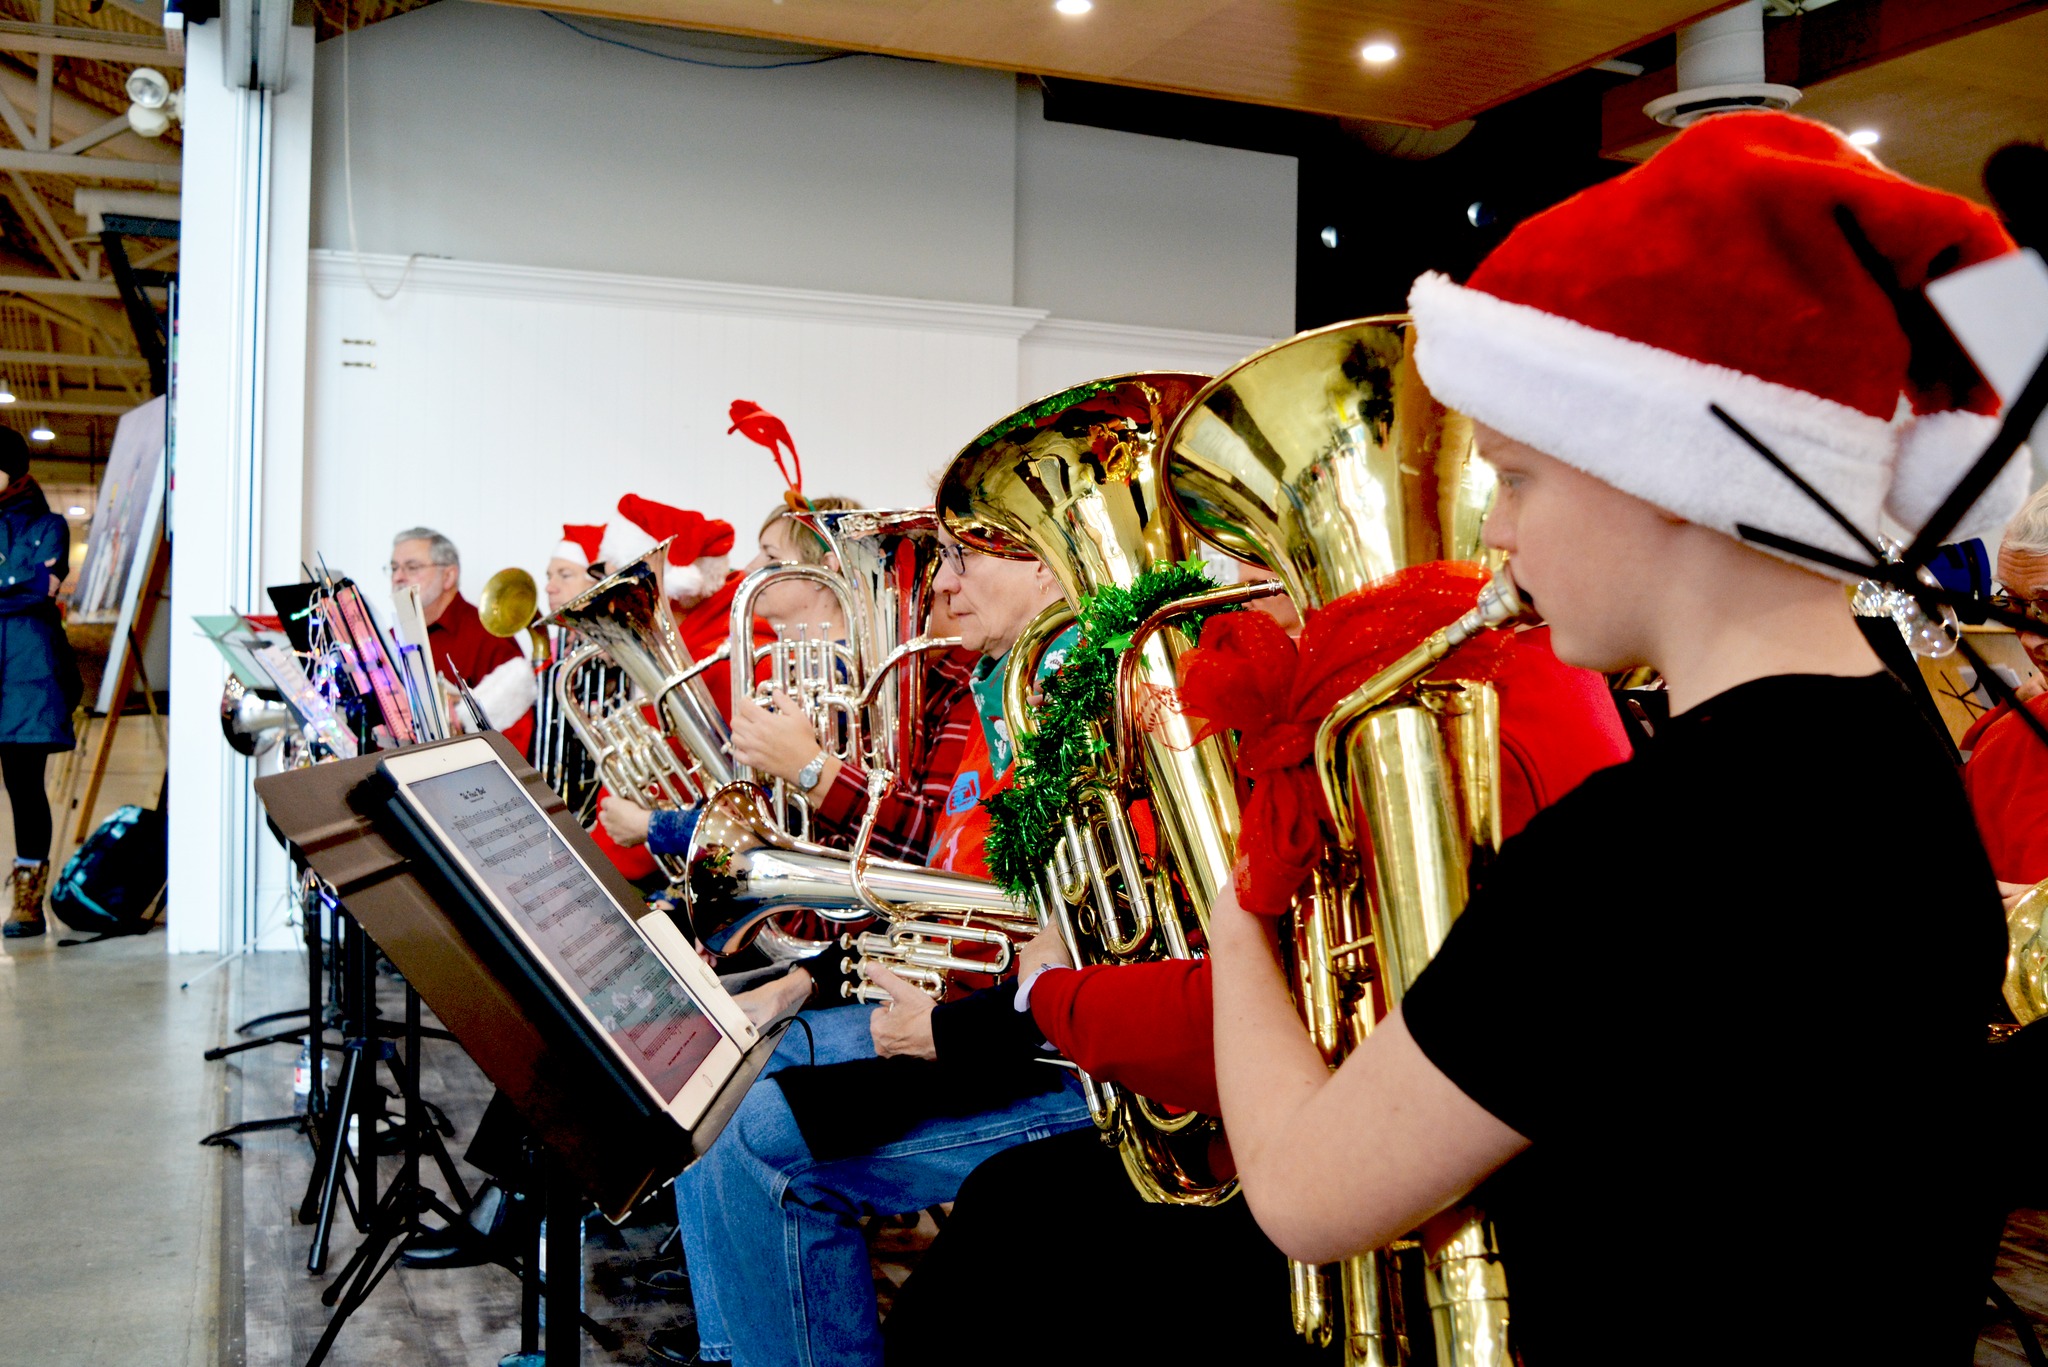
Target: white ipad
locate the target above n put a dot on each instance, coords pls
(640, 986)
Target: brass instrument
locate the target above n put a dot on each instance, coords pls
(1077, 481)
(1325, 458)
(2026, 963)
(864, 696)
(744, 869)
(508, 606)
(864, 704)
(627, 618)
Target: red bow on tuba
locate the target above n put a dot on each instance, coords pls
(1249, 676)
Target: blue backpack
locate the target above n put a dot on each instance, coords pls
(111, 884)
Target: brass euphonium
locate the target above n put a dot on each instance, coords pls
(745, 869)
(626, 617)
(749, 859)
(1325, 458)
(1076, 480)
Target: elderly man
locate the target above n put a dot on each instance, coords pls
(2007, 773)
(493, 667)
(867, 1109)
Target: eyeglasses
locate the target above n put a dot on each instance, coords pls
(410, 568)
(953, 554)
(2036, 608)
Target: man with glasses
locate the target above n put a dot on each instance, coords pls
(869, 1109)
(493, 667)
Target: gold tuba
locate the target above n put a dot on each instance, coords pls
(1325, 458)
(1076, 480)
(627, 618)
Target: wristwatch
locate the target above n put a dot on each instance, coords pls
(808, 776)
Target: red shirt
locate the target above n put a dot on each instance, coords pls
(2007, 783)
(1150, 1026)
(463, 648)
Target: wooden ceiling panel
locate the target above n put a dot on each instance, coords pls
(1458, 57)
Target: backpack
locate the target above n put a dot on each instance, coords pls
(111, 883)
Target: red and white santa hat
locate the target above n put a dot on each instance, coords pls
(1760, 262)
(647, 523)
(581, 544)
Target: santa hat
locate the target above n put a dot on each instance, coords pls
(1760, 262)
(580, 545)
(690, 536)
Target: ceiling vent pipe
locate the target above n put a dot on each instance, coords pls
(1721, 67)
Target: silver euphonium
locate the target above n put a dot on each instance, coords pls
(627, 619)
(865, 697)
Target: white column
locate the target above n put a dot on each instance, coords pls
(240, 439)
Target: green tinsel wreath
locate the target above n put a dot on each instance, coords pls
(1056, 764)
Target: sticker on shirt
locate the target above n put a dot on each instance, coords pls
(966, 794)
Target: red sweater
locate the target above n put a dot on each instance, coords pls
(1149, 1026)
(2007, 783)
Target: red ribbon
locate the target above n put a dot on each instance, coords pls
(1249, 676)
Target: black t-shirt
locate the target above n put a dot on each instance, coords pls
(1734, 992)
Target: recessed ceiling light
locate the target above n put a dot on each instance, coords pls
(78, 510)
(1379, 54)
(41, 432)
(1073, 6)
(1865, 137)
(1329, 236)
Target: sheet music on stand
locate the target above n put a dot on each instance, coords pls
(415, 659)
(312, 709)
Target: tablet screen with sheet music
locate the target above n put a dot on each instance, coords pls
(642, 1003)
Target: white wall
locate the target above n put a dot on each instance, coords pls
(497, 402)
(489, 133)
(1121, 228)
(495, 134)
(887, 254)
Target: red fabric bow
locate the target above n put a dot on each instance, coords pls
(1248, 676)
(758, 425)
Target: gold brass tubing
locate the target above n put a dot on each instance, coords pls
(1315, 981)
(1467, 1290)
(1229, 595)
(1370, 1337)
(1119, 942)
(1020, 669)
(1308, 1291)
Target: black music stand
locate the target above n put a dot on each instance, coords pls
(602, 1142)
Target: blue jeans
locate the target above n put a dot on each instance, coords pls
(771, 1236)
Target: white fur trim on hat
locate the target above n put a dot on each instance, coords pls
(506, 693)
(1933, 455)
(685, 582)
(571, 552)
(1635, 416)
(623, 543)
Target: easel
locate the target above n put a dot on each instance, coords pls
(102, 738)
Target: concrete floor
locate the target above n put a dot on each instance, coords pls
(109, 1217)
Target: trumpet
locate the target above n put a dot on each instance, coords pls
(1077, 481)
(1325, 458)
(627, 619)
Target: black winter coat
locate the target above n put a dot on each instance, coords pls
(35, 544)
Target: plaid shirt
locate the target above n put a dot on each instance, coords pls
(910, 812)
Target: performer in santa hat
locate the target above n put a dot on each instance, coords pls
(1648, 1032)
(570, 563)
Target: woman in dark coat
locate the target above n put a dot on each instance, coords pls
(35, 713)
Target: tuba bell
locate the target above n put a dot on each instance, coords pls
(627, 619)
(1076, 480)
(1325, 458)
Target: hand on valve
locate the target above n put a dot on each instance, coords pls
(903, 1024)
(777, 740)
(624, 820)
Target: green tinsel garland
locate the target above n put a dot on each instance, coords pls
(1056, 764)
